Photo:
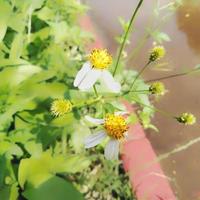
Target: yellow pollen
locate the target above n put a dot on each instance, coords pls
(60, 107)
(100, 58)
(115, 126)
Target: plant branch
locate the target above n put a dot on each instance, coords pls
(126, 36)
(172, 76)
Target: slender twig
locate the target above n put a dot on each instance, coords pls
(172, 76)
(155, 109)
(126, 36)
(138, 75)
(95, 90)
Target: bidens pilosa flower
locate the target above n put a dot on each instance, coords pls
(96, 68)
(157, 53)
(187, 119)
(157, 88)
(60, 107)
(115, 127)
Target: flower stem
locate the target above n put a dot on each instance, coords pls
(88, 102)
(95, 90)
(34, 123)
(126, 36)
(155, 109)
(138, 75)
(172, 76)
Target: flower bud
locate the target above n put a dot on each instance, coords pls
(186, 118)
(60, 107)
(157, 53)
(157, 88)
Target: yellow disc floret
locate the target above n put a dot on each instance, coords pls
(156, 53)
(60, 107)
(100, 58)
(115, 126)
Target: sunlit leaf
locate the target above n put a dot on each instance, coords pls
(54, 188)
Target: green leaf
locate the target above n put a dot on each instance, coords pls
(15, 75)
(5, 12)
(17, 47)
(10, 149)
(9, 192)
(160, 37)
(39, 168)
(34, 149)
(54, 189)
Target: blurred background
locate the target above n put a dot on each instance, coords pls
(183, 52)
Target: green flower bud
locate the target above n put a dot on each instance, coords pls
(157, 88)
(187, 119)
(157, 53)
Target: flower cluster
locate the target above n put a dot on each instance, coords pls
(113, 126)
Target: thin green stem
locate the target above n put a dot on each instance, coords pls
(138, 75)
(138, 91)
(155, 109)
(33, 123)
(126, 36)
(139, 46)
(95, 90)
(173, 76)
(88, 102)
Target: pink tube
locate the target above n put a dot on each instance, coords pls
(147, 178)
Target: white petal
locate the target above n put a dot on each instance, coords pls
(110, 81)
(94, 120)
(121, 113)
(94, 139)
(112, 149)
(81, 74)
(90, 79)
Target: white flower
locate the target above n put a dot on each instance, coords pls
(115, 127)
(94, 69)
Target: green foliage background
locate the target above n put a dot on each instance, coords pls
(42, 157)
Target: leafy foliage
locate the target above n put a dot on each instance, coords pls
(41, 49)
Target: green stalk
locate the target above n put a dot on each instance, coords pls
(95, 90)
(155, 109)
(138, 75)
(173, 76)
(126, 36)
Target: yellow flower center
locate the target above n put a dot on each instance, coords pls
(115, 126)
(60, 107)
(156, 53)
(100, 58)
